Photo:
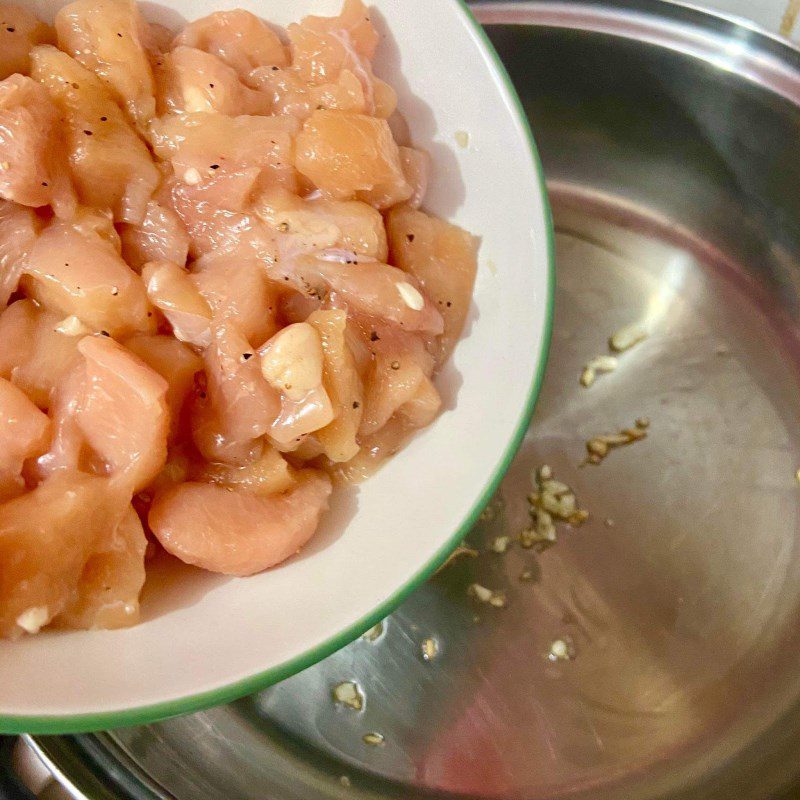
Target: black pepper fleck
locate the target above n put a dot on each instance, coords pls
(103, 119)
(410, 237)
(44, 183)
(120, 35)
(395, 365)
(373, 337)
(356, 404)
(88, 133)
(247, 356)
(449, 304)
(11, 30)
(210, 85)
(106, 333)
(214, 166)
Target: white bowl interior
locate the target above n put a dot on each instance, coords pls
(204, 632)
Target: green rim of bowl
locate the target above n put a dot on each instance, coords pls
(141, 715)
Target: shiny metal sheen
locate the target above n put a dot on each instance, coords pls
(671, 140)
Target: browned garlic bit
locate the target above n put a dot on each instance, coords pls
(598, 447)
(461, 550)
(374, 739)
(500, 544)
(561, 650)
(551, 500)
(430, 648)
(627, 337)
(374, 633)
(348, 694)
(599, 364)
(484, 595)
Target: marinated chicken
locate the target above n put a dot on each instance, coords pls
(220, 295)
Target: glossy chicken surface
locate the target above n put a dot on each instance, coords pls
(220, 295)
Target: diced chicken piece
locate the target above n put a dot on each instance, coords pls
(319, 223)
(33, 169)
(172, 292)
(236, 287)
(343, 385)
(322, 46)
(111, 167)
(160, 236)
(393, 383)
(177, 364)
(354, 21)
(20, 32)
(203, 147)
(267, 474)
(157, 39)
(123, 413)
(289, 94)
(443, 258)
(46, 538)
(375, 450)
(193, 81)
(107, 592)
(240, 39)
(218, 229)
(237, 406)
(368, 287)
(68, 451)
(416, 166)
(74, 270)
(18, 229)
(352, 156)
(237, 532)
(24, 433)
(106, 37)
(36, 349)
(292, 363)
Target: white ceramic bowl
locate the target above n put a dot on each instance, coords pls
(206, 639)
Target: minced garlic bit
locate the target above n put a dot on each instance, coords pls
(4, 165)
(551, 500)
(598, 447)
(191, 176)
(374, 633)
(348, 694)
(797, 475)
(500, 544)
(627, 337)
(32, 620)
(345, 781)
(598, 364)
(411, 296)
(462, 139)
(527, 576)
(484, 595)
(72, 326)
(374, 739)
(561, 650)
(461, 550)
(430, 648)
